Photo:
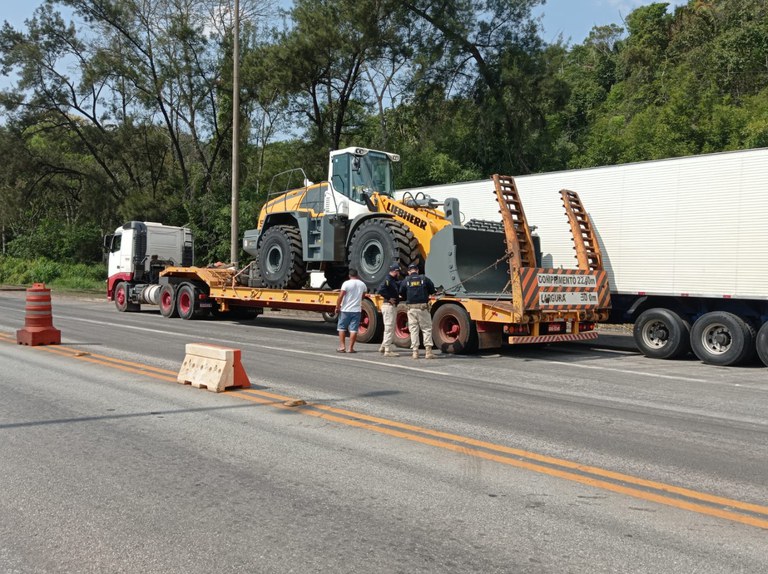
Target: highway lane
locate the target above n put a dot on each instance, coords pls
(418, 505)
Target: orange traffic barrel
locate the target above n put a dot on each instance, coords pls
(38, 324)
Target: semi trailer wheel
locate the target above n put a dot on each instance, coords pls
(762, 343)
(280, 258)
(378, 243)
(371, 324)
(186, 303)
(122, 300)
(662, 334)
(720, 338)
(453, 331)
(168, 301)
(402, 333)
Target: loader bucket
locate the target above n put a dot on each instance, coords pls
(468, 262)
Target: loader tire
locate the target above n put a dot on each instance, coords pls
(280, 258)
(378, 243)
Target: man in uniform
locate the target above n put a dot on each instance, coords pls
(416, 289)
(390, 290)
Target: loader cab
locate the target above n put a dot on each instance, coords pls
(356, 171)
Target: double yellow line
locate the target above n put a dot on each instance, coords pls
(661, 493)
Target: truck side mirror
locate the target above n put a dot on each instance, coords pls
(108, 242)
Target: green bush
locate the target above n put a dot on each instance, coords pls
(80, 276)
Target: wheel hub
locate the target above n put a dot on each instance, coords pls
(717, 339)
(656, 334)
(274, 259)
(372, 257)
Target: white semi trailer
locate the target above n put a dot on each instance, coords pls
(684, 242)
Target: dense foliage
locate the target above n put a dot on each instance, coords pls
(122, 108)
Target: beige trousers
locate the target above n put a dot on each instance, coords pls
(388, 313)
(419, 319)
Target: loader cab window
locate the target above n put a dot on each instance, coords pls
(352, 175)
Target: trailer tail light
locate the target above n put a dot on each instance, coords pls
(202, 296)
(517, 330)
(586, 327)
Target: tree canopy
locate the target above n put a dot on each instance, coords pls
(121, 109)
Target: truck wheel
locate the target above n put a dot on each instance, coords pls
(720, 338)
(762, 343)
(371, 324)
(330, 317)
(280, 258)
(168, 301)
(378, 243)
(122, 300)
(662, 334)
(453, 331)
(402, 333)
(186, 303)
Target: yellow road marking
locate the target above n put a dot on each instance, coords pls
(502, 454)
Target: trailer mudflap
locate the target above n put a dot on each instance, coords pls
(566, 337)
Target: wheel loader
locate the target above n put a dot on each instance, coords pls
(354, 220)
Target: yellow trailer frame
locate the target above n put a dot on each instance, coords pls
(541, 306)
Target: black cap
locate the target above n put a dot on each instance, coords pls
(394, 267)
(413, 266)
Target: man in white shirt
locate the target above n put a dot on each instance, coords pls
(349, 307)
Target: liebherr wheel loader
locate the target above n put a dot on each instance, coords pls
(354, 220)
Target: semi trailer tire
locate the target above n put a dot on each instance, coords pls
(453, 331)
(167, 301)
(371, 323)
(762, 343)
(378, 243)
(402, 333)
(122, 299)
(187, 305)
(280, 258)
(662, 334)
(720, 338)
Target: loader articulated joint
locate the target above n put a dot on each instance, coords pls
(398, 211)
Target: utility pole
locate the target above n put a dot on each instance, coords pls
(235, 243)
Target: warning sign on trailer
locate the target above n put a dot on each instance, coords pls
(560, 280)
(568, 298)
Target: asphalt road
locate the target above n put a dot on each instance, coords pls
(552, 459)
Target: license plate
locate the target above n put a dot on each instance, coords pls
(556, 328)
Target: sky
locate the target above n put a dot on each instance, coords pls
(571, 18)
(575, 18)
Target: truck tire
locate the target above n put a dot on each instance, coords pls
(371, 324)
(378, 243)
(720, 338)
(280, 258)
(662, 334)
(186, 303)
(402, 333)
(122, 299)
(762, 343)
(453, 331)
(168, 301)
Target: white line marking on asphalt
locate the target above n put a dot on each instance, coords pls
(626, 371)
(268, 347)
